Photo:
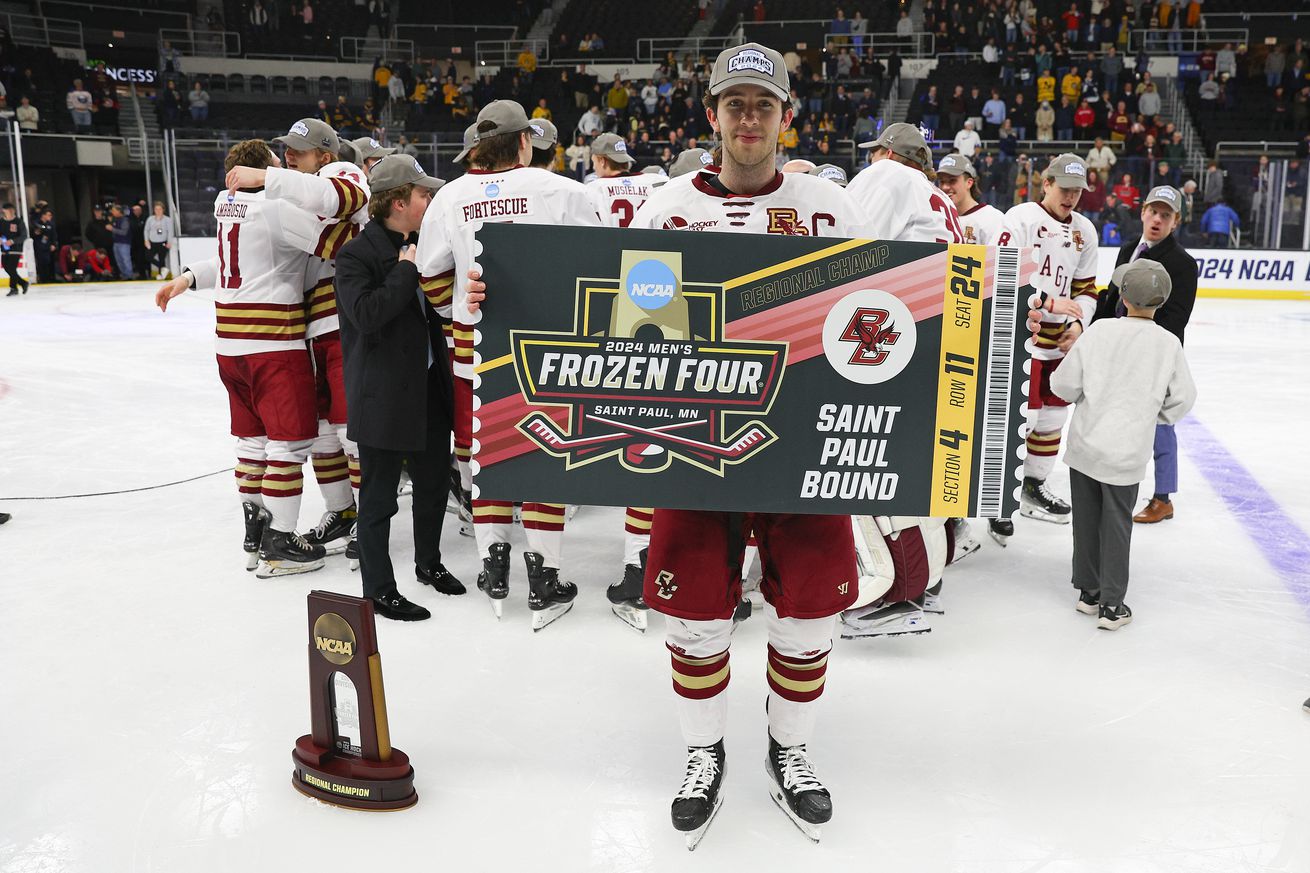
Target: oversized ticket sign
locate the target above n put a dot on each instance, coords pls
(748, 372)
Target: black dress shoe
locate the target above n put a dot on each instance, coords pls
(395, 606)
(441, 579)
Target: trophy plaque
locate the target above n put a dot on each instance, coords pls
(348, 759)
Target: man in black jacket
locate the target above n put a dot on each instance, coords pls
(399, 395)
(1160, 215)
(13, 233)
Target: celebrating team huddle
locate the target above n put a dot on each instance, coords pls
(280, 357)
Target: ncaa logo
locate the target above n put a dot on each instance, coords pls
(651, 284)
(869, 336)
(491, 190)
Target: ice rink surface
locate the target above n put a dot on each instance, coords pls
(152, 689)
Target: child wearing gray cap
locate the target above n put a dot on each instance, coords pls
(1124, 375)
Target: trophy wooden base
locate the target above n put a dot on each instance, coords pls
(345, 780)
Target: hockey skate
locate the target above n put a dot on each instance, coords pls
(625, 596)
(352, 549)
(1001, 530)
(256, 520)
(1039, 502)
(796, 789)
(698, 800)
(285, 553)
(494, 578)
(931, 602)
(884, 620)
(965, 542)
(334, 531)
(548, 597)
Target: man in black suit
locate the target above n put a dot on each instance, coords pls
(1160, 217)
(399, 394)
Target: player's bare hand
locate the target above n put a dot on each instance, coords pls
(1034, 321)
(169, 290)
(477, 290)
(1071, 333)
(244, 177)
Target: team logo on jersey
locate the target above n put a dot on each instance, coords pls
(786, 221)
(1078, 240)
(869, 336)
(750, 59)
(665, 587)
(970, 238)
(677, 222)
(646, 377)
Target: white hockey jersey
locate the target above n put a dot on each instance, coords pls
(903, 205)
(1065, 255)
(793, 204)
(525, 195)
(338, 195)
(619, 197)
(982, 225)
(259, 275)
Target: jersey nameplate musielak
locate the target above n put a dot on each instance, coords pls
(748, 372)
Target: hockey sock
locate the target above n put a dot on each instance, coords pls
(543, 524)
(251, 460)
(797, 671)
(1042, 449)
(492, 520)
(333, 477)
(352, 464)
(462, 456)
(284, 482)
(699, 652)
(636, 533)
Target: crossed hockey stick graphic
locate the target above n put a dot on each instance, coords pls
(544, 430)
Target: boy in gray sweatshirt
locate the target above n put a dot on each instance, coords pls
(1125, 375)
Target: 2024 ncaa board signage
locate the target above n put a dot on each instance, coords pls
(748, 372)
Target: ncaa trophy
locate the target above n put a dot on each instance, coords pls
(348, 760)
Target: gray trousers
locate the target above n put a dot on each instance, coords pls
(1102, 532)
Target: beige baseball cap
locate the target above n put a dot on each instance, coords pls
(368, 148)
(1166, 194)
(690, 161)
(507, 116)
(1068, 171)
(347, 152)
(831, 172)
(396, 170)
(956, 165)
(311, 133)
(1143, 283)
(470, 142)
(612, 147)
(544, 133)
(753, 64)
(902, 139)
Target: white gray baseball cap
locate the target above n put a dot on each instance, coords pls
(1143, 283)
(396, 170)
(611, 147)
(470, 142)
(1166, 194)
(544, 133)
(1068, 171)
(690, 161)
(956, 165)
(831, 172)
(750, 64)
(311, 133)
(368, 148)
(902, 139)
(507, 116)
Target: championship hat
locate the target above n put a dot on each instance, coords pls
(544, 133)
(654, 170)
(750, 64)
(1143, 283)
(690, 161)
(311, 133)
(1167, 195)
(956, 165)
(902, 139)
(831, 172)
(368, 148)
(347, 152)
(470, 140)
(396, 170)
(507, 116)
(611, 147)
(1068, 171)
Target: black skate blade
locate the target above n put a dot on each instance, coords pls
(1042, 515)
(812, 831)
(849, 633)
(541, 618)
(631, 616)
(694, 837)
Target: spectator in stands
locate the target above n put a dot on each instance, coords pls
(67, 268)
(1045, 87)
(1218, 224)
(591, 123)
(904, 25)
(1165, 174)
(1149, 103)
(577, 156)
(1112, 221)
(99, 232)
(1084, 119)
(859, 27)
(198, 99)
(106, 117)
(94, 265)
(1127, 192)
(122, 235)
(1071, 85)
(1225, 62)
(1045, 122)
(1073, 23)
(894, 64)
(45, 246)
(1175, 151)
(1208, 92)
(1120, 123)
(140, 256)
(1093, 199)
(159, 241)
(956, 110)
(170, 59)
(1278, 111)
(258, 18)
(1188, 212)
(1275, 65)
(29, 119)
(343, 117)
(1294, 198)
(993, 114)
(1064, 120)
(617, 97)
(170, 106)
(1213, 189)
(80, 106)
(967, 141)
(1021, 117)
(405, 147)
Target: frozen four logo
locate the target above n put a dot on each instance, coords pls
(750, 59)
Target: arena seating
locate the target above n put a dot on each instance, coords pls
(620, 24)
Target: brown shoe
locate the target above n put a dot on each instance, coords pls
(1156, 511)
